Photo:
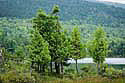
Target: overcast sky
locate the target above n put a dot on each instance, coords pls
(116, 1)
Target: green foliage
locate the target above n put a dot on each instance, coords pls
(19, 33)
(65, 47)
(18, 72)
(19, 52)
(89, 12)
(76, 44)
(14, 77)
(88, 71)
(123, 73)
(55, 9)
(99, 46)
(115, 37)
(112, 73)
(49, 28)
(70, 71)
(38, 49)
(14, 33)
(17, 64)
(49, 43)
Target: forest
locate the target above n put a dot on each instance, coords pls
(80, 10)
(37, 41)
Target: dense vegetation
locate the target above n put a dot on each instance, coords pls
(36, 50)
(15, 33)
(83, 11)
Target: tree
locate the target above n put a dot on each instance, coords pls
(99, 47)
(39, 52)
(76, 52)
(49, 28)
(64, 49)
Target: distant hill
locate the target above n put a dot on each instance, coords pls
(110, 3)
(81, 10)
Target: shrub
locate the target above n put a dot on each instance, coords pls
(112, 73)
(18, 73)
(14, 77)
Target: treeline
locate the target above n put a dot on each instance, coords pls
(49, 45)
(115, 36)
(83, 11)
(15, 35)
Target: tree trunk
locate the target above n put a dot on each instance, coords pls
(62, 68)
(57, 67)
(31, 65)
(43, 68)
(98, 67)
(76, 66)
(51, 66)
(38, 67)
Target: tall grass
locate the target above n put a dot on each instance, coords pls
(87, 80)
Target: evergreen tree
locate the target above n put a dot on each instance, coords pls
(39, 52)
(99, 47)
(76, 52)
(50, 29)
(64, 49)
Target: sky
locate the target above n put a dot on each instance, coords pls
(116, 1)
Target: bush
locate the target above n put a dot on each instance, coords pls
(18, 73)
(112, 73)
(14, 77)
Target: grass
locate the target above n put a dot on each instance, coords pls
(87, 80)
